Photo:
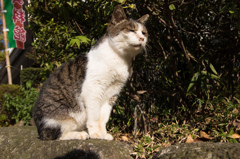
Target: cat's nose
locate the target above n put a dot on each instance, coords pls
(141, 39)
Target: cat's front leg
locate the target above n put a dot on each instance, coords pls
(92, 123)
(103, 119)
(93, 108)
(98, 116)
(104, 116)
(97, 123)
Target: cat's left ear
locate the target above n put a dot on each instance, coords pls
(118, 15)
(143, 19)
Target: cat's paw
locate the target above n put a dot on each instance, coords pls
(74, 136)
(95, 136)
(101, 136)
(108, 137)
(84, 135)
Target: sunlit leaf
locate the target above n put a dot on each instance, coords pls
(78, 40)
(212, 68)
(172, 7)
(193, 81)
(120, 1)
(133, 6)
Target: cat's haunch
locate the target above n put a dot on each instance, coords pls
(76, 101)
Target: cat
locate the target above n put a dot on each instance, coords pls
(75, 102)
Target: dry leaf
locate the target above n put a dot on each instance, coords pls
(20, 123)
(236, 123)
(189, 139)
(166, 145)
(124, 138)
(235, 111)
(208, 120)
(205, 135)
(235, 136)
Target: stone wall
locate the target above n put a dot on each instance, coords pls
(23, 143)
(200, 150)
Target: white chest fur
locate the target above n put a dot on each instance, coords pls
(106, 70)
(106, 75)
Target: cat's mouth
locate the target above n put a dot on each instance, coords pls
(137, 46)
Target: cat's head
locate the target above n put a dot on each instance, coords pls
(127, 35)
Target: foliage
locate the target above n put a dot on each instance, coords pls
(6, 89)
(19, 107)
(190, 74)
(58, 28)
(32, 75)
(2, 58)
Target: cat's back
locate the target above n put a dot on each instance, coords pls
(60, 89)
(68, 75)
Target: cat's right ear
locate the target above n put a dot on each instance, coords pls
(118, 15)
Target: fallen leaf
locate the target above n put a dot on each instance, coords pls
(235, 111)
(235, 136)
(236, 123)
(124, 138)
(166, 145)
(20, 123)
(205, 135)
(189, 139)
(208, 120)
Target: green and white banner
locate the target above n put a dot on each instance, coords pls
(15, 18)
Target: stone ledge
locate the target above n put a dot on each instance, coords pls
(23, 142)
(200, 150)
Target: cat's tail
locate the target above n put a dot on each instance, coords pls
(48, 133)
(45, 132)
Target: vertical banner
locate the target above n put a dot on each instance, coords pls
(15, 18)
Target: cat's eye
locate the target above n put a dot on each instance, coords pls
(130, 30)
(144, 33)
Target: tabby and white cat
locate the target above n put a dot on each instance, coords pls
(76, 100)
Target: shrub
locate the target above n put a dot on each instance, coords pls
(12, 90)
(7, 89)
(32, 75)
(19, 107)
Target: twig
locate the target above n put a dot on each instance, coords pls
(181, 42)
(135, 122)
(47, 10)
(78, 27)
(154, 13)
(144, 120)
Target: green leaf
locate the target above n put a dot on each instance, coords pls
(83, 39)
(172, 7)
(78, 40)
(193, 80)
(225, 8)
(132, 6)
(120, 1)
(210, 74)
(213, 69)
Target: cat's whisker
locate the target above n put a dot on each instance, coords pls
(145, 51)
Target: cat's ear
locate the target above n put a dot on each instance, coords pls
(118, 15)
(143, 19)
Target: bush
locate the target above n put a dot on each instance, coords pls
(19, 107)
(12, 90)
(7, 89)
(32, 75)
